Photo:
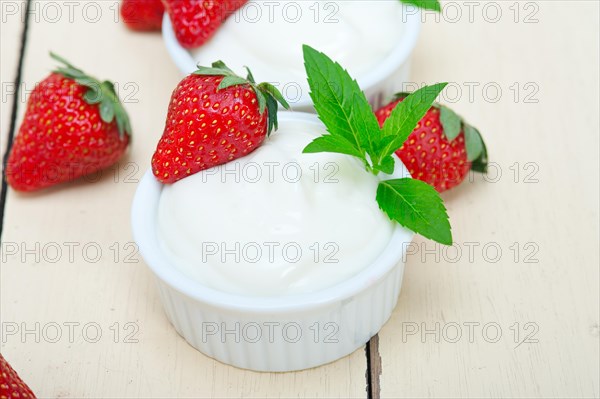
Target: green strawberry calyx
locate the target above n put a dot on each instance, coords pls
(101, 93)
(267, 95)
(453, 125)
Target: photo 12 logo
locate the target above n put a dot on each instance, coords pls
(272, 172)
(269, 252)
(470, 332)
(489, 12)
(52, 332)
(53, 252)
(272, 332)
(472, 252)
(290, 12)
(127, 92)
(490, 92)
(55, 12)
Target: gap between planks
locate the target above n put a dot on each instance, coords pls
(373, 372)
(13, 115)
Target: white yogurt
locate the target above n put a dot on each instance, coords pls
(277, 221)
(268, 36)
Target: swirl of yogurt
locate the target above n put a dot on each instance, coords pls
(277, 221)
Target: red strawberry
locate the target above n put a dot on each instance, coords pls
(196, 21)
(73, 125)
(142, 15)
(441, 149)
(11, 386)
(214, 117)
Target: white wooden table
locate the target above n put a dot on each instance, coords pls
(511, 311)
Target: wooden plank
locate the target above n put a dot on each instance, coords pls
(12, 16)
(554, 221)
(98, 287)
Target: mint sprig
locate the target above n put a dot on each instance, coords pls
(433, 5)
(353, 130)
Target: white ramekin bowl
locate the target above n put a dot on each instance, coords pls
(379, 84)
(272, 333)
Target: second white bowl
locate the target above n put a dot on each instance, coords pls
(379, 84)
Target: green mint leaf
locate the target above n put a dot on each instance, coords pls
(387, 165)
(400, 95)
(333, 143)
(450, 122)
(385, 142)
(340, 103)
(417, 206)
(473, 143)
(405, 117)
(433, 5)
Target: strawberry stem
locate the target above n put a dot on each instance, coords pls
(267, 95)
(99, 93)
